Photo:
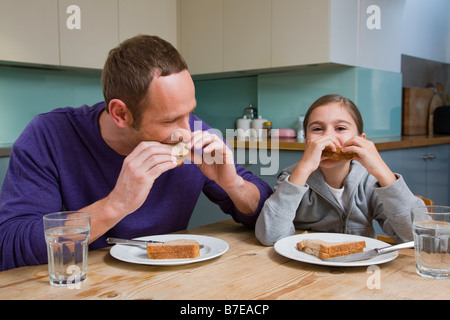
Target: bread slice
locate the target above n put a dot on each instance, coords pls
(180, 151)
(324, 249)
(338, 155)
(174, 249)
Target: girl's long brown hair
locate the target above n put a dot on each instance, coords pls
(332, 98)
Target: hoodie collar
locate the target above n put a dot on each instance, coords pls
(351, 182)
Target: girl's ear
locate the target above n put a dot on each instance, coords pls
(120, 113)
(363, 135)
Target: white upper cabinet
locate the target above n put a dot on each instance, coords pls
(225, 35)
(29, 31)
(213, 35)
(260, 34)
(380, 34)
(152, 17)
(246, 34)
(201, 34)
(366, 33)
(300, 32)
(87, 31)
(363, 33)
(79, 33)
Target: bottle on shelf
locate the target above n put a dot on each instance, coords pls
(300, 130)
(243, 127)
(267, 130)
(257, 126)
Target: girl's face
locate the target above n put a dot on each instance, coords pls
(332, 119)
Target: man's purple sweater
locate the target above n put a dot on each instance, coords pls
(60, 162)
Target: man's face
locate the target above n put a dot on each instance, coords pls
(170, 101)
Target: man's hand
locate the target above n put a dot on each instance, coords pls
(217, 163)
(139, 171)
(213, 157)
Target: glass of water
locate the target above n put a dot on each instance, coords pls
(431, 229)
(67, 236)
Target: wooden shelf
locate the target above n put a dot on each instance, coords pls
(384, 143)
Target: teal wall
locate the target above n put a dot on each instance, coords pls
(279, 97)
(26, 92)
(221, 102)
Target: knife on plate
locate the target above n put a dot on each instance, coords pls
(134, 242)
(370, 253)
(131, 242)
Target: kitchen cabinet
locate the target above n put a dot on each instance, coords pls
(79, 33)
(426, 170)
(29, 31)
(300, 32)
(201, 34)
(233, 35)
(153, 17)
(362, 33)
(88, 46)
(246, 34)
(225, 35)
(106, 23)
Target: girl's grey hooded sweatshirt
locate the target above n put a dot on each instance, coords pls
(313, 207)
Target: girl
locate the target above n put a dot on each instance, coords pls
(342, 196)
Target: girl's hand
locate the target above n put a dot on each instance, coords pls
(312, 157)
(368, 155)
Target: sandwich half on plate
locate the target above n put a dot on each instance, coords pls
(174, 249)
(325, 249)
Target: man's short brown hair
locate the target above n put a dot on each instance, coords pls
(132, 65)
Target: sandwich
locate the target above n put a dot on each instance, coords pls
(338, 155)
(174, 249)
(324, 249)
(180, 151)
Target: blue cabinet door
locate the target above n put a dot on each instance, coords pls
(437, 161)
(426, 170)
(409, 163)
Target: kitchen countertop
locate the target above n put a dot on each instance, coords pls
(5, 149)
(383, 143)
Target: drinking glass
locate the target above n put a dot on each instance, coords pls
(431, 229)
(67, 236)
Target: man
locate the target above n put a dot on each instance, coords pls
(112, 160)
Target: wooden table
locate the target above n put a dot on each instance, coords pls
(247, 270)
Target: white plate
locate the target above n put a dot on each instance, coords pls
(288, 247)
(212, 247)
